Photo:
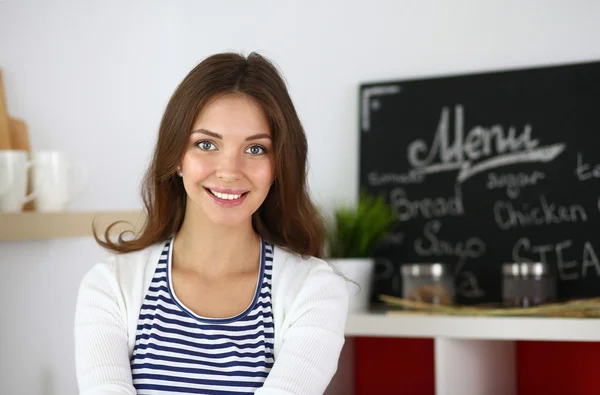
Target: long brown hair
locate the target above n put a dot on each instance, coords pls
(287, 217)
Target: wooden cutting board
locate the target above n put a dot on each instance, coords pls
(19, 135)
(5, 142)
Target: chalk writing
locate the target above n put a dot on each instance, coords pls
(427, 208)
(385, 270)
(468, 285)
(507, 216)
(431, 245)
(513, 182)
(494, 145)
(378, 179)
(394, 238)
(524, 251)
(367, 94)
(585, 171)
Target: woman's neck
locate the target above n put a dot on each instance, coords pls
(214, 250)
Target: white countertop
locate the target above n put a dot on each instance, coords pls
(379, 324)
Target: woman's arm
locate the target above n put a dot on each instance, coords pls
(101, 353)
(312, 343)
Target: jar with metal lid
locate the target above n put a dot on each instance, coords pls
(428, 282)
(527, 284)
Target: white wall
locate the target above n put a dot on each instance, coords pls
(92, 77)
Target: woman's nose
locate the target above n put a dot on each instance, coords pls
(229, 168)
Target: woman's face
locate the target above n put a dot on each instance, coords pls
(228, 166)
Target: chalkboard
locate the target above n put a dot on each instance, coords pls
(488, 168)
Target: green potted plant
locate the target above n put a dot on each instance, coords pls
(353, 234)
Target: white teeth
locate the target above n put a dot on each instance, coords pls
(224, 196)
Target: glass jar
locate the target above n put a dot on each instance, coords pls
(527, 284)
(428, 282)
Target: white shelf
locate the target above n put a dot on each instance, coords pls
(473, 328)
(472, 355)
(55, 225)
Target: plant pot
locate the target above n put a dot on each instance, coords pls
(359, 274)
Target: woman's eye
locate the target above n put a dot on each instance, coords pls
(205, 145)
(256, 150)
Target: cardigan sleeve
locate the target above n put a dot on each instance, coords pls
(101, 351)
(313, 338)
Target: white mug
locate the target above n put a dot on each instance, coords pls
(57, 180)
(14, 170)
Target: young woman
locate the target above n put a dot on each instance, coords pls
(222, 291)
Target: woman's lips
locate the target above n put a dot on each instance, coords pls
(227, 199)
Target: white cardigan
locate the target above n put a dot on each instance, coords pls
(310, 307)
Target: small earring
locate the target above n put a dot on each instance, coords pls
(179, 173)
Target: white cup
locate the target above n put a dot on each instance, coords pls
(57, 180)
(14, 170)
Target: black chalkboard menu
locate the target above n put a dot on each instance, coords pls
(487, 168)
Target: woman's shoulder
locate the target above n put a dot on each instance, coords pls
(291, 262)
(304, 284)
(290, 267)
(121, 267)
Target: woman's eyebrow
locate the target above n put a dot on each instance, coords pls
(218, 136)
(208, 133)
(259, 136)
